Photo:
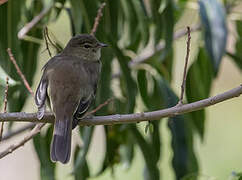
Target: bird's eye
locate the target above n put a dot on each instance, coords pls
(87, 46)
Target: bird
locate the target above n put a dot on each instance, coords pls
(69, 81)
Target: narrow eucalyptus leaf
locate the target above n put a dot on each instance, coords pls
(213, 18)
(198, 86)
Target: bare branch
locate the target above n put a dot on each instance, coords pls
(46, 36)
(10, 54)
(18, 131)
(3, 1)
(13, 147)
(5, 106)
(97, 19)
(146, 55)
(37, 128)
(98, 108)
(185, 67)
(33, 22)
(48, 40)
(131, 118)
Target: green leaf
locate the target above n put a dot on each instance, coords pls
(235, 176)
(130, 85)
(77, 16)
(152, 97)
(83, 173)
(184, 160)
(151, 169)
(59, 7)
(25, 52)
(10, 13)
(115, 136)
(81, 156)
(214, 22)
(127, 152)
(169, 27)
(104, 85)
(42, 145)
(237, 56)
(157, 19)
(198, 86)
(142, 21)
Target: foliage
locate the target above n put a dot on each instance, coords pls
(128, 26)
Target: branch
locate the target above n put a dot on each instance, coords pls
(131, 118)
(19, 71)
(37, 127)
(33, 22)
(185, 67)
(3, 1)
(46, 37)
(97, 19)
(98, 108)
(5, 106)
(146, 55)
(13, 147)
(17, 131)
(48, 40)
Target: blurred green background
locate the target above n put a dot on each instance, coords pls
(217, 152)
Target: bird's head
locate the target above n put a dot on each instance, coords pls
(84, 46)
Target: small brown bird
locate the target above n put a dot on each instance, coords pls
(71, 79)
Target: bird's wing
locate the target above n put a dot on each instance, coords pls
(40, 97)
(82, 109)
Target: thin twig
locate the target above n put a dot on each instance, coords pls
(98, 108)
(37, 127)
(13, 147)
(18, 131)
(130, 118)
(5, 106)
(97, 19)
(33, 22)
(6, 95)
(46, 40)
(185, 67)
(3, 1)
(148, 54)
(10, 54)
(50, 41)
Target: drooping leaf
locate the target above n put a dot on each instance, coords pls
(169, 27)
(76, 16)
(115, 136)
(80, 160)
(25, 52)
(214, 22)
(184, 160)
(157, 19)
(42, 146)
(142, 21)
(104, 84)
(59, 7)
(237, 56)
(198, 86)
(151, 169)
(152, 97)
(130, 85)
(83, 172)
(127, 152)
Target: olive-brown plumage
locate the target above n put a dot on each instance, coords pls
(71, 78)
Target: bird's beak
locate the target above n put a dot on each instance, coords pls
(102, 45)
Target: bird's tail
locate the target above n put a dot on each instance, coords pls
(61, 141)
